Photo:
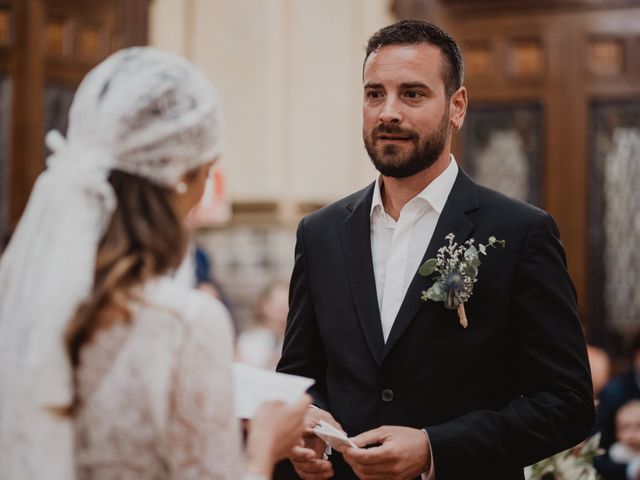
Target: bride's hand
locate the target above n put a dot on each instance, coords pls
(274, 431)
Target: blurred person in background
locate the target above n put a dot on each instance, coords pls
(600, 368)
(196, 271)
(110, 367)
(261, 344)
(626, 449)
(615, 394)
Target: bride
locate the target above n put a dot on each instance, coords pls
(110, 368)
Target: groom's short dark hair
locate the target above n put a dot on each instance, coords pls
(411, 32)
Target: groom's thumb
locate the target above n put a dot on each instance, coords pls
(372, 437)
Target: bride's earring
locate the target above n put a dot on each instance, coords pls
(181, 188)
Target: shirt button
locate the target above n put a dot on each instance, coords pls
(387, 395)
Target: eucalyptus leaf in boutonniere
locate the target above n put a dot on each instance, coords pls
(457, 269)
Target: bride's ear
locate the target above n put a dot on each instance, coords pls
(186, 193)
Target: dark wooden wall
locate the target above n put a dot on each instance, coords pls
(46, 47)
(560, 58)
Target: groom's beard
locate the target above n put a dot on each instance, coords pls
(392, 162)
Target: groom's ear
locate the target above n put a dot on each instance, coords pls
(458, 108)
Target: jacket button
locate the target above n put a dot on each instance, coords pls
(387, 395)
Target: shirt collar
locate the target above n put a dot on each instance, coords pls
(436, 193)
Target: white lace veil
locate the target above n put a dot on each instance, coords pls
(141, 111)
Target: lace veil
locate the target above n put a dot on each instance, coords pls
(141, 111)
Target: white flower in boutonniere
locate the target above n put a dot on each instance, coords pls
(457, 266)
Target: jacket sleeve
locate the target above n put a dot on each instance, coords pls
(554, 410)
(303, 352)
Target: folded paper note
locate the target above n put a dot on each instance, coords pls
(252, 386)
(332, 436)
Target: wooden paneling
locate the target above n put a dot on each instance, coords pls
(5, 26)
(562, 55)
(48, 46)
(7, 34)
(606, 56)
(527, 59)
(92, 42)
(26, 113)
(490, 7)
(5, 109)
(478, 61)
(58, 38)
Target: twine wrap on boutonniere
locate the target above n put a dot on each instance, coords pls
(457, 269)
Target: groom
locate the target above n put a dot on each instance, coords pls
(402, 375)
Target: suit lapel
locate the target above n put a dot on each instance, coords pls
(356, 242)
(453, 219)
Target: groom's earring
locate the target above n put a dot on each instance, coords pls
(181, 188)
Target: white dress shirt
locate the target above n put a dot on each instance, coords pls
(397, 247)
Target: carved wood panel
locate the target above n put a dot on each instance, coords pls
(526, 59)
(606, 56)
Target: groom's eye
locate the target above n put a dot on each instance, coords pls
(413, 95)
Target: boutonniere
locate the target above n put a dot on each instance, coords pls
(457, 269)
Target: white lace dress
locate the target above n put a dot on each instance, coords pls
(156, 395)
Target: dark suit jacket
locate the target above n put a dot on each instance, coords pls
(615, 394)
(511, 389)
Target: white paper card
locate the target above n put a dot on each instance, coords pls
(252, 386)
(332, 436)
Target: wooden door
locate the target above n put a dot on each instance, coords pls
(46, 47)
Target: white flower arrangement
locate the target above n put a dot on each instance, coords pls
(573, 464)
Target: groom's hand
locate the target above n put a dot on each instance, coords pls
(402, 453)
(308, 459)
